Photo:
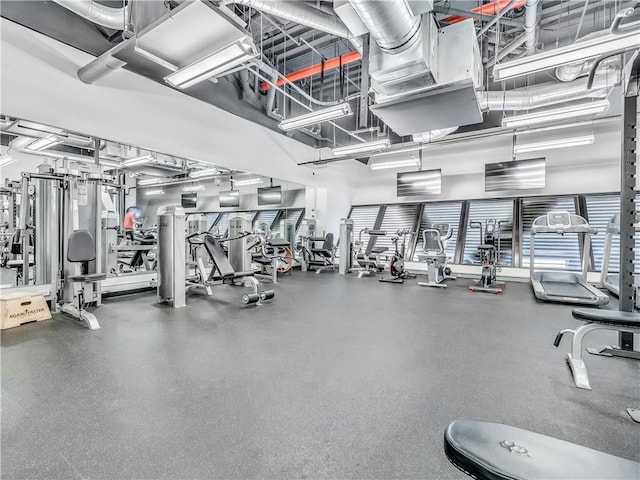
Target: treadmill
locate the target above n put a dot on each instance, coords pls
(611, 281)
(563, 286)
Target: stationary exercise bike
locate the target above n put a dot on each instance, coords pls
(489, 256)
(396, 263)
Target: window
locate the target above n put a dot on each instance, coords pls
(264, 220)
(601, 208)
(210, 219)
(395, 218)
(363, 217)
(440, 212)
(480, 211)
(552, 251)
(223, 224)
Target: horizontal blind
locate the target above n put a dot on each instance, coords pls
(600, 210)
(294, 217)
(363, 217)
(264, 220)
(552, 251)
(210, 219)
(480, 211)
(395, 218)
(223, 224)
(440, 212)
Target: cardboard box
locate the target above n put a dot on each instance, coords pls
(17, 308)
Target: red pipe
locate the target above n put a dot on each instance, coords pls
(487, 9)
(307, 72)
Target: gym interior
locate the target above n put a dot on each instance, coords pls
(319, 239)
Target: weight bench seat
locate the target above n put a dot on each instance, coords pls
(89, 277)
(595, 319)
(486, 450)
(278, 242)
(614, 318)
(18, 264)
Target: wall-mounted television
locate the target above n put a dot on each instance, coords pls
(189, 200)
(269, 196)
(518, 175)
(230, 199)
(423, 182)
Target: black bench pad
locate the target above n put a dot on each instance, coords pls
(18, 264)
(89, 277)
(493, 451)
(608, 317)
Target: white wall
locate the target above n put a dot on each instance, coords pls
(39, 83)
(586, 169)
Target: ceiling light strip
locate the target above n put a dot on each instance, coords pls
(361, 148)
(312, 118)
(576, 52)
(555, 114)
(553, 144)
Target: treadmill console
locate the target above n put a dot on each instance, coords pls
(559, 220)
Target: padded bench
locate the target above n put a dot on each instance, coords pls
(491, 451)
(596, 320)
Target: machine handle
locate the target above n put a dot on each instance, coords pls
(376, 233)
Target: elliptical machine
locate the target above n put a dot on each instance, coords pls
(489, 256)
(396, 263)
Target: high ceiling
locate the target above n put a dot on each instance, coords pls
(291, 37)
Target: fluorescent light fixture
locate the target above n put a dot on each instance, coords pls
(6, 160)
(214, 64)
(193, 188)
(555, 114)
(159, 191)
(130, 162)
(154, 58)
(204, 172)
(248, 181)
(412, 161)
(43, 143)
(319, 116)
(361, 148)
(150, 181)
(553, 144)
(109, 163)
(576, 52)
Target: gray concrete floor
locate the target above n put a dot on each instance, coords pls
(337, 378)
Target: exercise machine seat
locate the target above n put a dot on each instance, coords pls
(220, 260)
(607, 317)
(18, 264)
(278, 242)
(81, 248)
(378, 250)
(493, 451)
(327, 247)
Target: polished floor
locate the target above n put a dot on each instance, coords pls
(337, 378)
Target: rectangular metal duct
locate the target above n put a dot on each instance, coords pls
(449, 102)
(191, 31)
(414, 68)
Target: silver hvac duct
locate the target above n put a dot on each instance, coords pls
(390, 22)
(546, 94)
(114, 18)
(303, 14)
(530, 25)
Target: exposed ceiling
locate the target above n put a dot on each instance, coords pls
(321, 42)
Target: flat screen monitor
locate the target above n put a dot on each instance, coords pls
(518, 175)
(424, 182)
(189, 200)
(269, 196)
(230, 199)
